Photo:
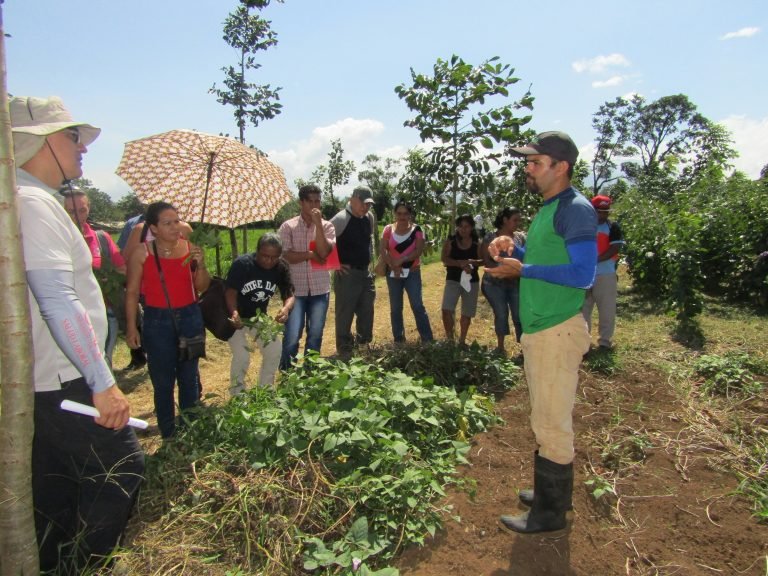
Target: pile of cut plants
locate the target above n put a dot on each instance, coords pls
(333, 472)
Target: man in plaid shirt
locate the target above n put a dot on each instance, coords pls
(307, 238)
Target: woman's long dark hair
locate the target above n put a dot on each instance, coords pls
(407, 205)
(153, 211)
(467, 218)
(505, 214)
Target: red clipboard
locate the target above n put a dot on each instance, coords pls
(331, 262)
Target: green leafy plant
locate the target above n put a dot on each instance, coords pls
(342, 462)
(112, 284)
(602, 361)
(629, 449)
(683, 263)
(449, 364)
(728, 374)
(754, 478)
(350, 552)
(712, 232)
(599, 487)
(205, 236)
(267, 328)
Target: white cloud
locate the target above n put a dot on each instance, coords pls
(750, 138)
(612, 81)
(600, 63)
(588, 151)
(358, 138)
(743, 33)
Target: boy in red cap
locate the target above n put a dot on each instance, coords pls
(603, 292)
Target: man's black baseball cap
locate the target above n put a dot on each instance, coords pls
(558, 145)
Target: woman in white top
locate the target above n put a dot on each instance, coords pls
(401, 245)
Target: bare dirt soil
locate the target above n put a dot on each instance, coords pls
(674, 514)
(672, 510)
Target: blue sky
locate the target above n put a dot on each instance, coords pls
(143, 67)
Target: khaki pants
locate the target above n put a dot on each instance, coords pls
(552, 359)
(241, 359)
(603, 293)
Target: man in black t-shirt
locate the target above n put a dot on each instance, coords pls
(354, 287)
(251, 282)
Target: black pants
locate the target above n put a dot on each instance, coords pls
(85, 479)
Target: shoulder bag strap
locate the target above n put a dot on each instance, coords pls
(106, 249)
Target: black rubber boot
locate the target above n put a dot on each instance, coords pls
(526, 496)
(553, 484)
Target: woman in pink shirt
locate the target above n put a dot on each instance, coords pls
(401, 245)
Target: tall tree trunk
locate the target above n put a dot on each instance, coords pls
(233, 243)
(18, 545)
(218, 253)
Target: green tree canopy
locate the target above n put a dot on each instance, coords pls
(330, 176)
(380, 175)
(103, 209)
(662, 146)
(129, 206)
(451, 111)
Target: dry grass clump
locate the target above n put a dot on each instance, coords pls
(231, 516)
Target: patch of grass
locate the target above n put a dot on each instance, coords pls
(603, 361)
(754, 477)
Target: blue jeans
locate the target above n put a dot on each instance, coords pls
(412, 285)
(504, 299)
(160, 343)
(309, 310)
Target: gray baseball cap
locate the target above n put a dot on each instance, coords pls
(363, 193)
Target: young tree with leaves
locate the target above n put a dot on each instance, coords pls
(247, 33)
(330, 176)
(449, 109)
(338, 171)
(380, 175)
(18, 545)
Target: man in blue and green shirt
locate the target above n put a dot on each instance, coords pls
(555, 268)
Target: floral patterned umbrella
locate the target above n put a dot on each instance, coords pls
(212, 179)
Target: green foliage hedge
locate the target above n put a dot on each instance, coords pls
(706, 238)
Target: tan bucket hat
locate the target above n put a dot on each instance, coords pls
(32, 119)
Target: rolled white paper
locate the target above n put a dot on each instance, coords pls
(86, 410)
